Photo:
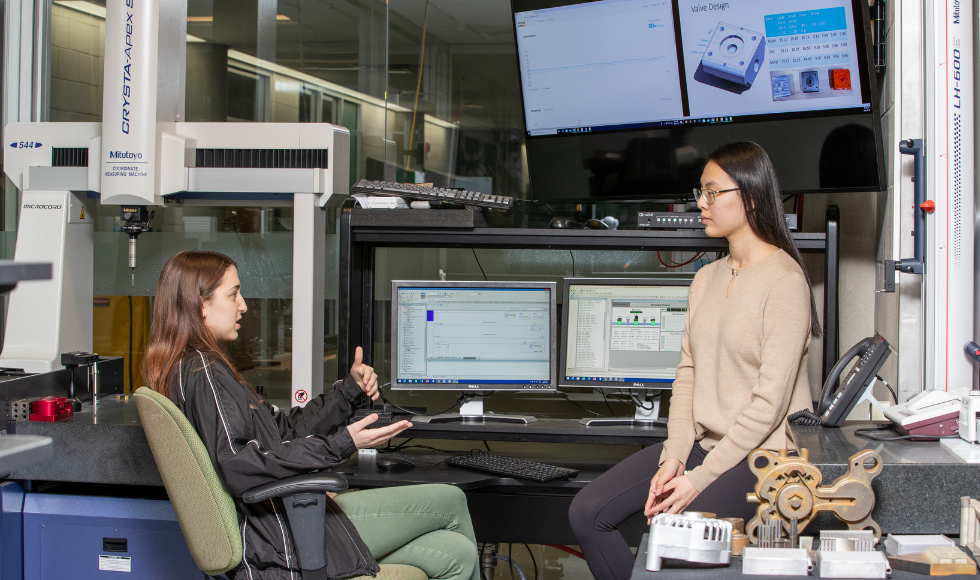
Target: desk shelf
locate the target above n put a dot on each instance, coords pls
(358, 243)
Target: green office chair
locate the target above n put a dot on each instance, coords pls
(206, 511)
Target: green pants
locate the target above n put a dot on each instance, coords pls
(426, 526)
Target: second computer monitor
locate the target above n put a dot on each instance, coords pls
(622, 333)
(482, 336)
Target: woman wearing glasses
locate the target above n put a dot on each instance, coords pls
(743, 369)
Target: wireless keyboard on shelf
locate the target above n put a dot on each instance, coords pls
(427, 193)
(510, 467)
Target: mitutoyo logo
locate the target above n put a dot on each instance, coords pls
(124, 155)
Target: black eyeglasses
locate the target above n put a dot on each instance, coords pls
(709, 194)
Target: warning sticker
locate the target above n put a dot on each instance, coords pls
(115, 563)
(301, 396)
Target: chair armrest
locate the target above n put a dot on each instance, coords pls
(307, 482)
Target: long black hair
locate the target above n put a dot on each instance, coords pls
(751, 169)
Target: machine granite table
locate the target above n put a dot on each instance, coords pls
(917, 492)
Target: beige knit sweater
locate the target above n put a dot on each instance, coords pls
(743, 366)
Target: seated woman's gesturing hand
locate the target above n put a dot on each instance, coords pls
(365, 376)
(364, 437)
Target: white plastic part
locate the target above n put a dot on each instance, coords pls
(871, 564)
(969, 410)
(902, 545)
(776, 561)
(688, 537)
(969, 520)
(860, 540)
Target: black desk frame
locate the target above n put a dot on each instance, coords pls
(357, 245)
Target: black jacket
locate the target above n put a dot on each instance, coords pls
(252, 443)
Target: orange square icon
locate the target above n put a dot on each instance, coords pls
(840, 79)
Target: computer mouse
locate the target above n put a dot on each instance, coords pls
(565, 223)
(594, 224)
(394, 464)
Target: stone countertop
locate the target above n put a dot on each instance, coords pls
(917, 492)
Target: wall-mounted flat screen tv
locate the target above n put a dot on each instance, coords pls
(624, 99)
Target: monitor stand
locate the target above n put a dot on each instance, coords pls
(472, 412)
(643, 418)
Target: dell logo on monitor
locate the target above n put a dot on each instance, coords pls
(472, 386)
(637, 384)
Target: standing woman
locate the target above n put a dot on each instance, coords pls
(743, 369)
(197, 307)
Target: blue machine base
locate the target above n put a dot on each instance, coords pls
(67, 536)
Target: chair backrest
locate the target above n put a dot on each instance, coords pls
(205, 510)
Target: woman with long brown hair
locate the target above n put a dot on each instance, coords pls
(197, 308)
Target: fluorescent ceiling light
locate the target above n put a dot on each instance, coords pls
(211, 18)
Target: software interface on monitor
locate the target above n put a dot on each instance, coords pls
(473, 335)
(650, 65)
(624, 333)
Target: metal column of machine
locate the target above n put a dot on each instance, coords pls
(135, 160)
(949, 176)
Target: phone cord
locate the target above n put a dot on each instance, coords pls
(805, 417)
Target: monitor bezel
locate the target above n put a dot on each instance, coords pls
(615, 385)
(552, 385)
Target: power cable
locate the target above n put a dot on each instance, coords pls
(478, 264)
(587, 410)
(666, 265)
(533, 561)
(867, 433)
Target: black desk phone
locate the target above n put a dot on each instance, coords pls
(836, 403)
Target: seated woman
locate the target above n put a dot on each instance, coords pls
(197, 307)
(743, 369)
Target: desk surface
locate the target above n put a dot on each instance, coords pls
(917, 492)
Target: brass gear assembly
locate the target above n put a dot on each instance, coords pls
(789, 490)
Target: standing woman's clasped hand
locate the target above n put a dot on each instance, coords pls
(670, 490)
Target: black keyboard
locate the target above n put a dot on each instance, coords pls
(427, 193)
(511, 467)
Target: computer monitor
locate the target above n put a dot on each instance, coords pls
(624, 99)
(623, 334)
(474, 337)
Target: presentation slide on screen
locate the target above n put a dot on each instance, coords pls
(614, 63)
(754, 56)
(620, 53)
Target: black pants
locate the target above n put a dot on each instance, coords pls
(621, 492)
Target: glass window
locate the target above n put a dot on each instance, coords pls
(428, 90)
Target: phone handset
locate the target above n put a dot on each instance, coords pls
(836, 403)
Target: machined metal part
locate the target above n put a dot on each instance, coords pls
(738, 524)
(900, 545)
(862, 540)
(739, 542)
(835, 564)
(771, 535)
(776, 561)
(689, 537)
(790, 487)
